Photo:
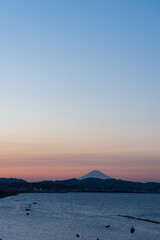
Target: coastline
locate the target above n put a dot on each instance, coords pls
(7, 194)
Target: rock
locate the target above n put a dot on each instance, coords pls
(132, 229)
(107, 226)
(77, 235)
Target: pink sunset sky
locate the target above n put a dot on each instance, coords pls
(80, 89)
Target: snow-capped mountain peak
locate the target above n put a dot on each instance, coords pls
(95, 174)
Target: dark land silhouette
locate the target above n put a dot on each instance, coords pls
(13, 186)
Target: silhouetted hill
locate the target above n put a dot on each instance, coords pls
(11, 180)
(97, 185)
(85, 185)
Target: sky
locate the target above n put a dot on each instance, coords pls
(80, 89)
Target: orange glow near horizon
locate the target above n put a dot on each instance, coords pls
(127, 166)
(49, 159)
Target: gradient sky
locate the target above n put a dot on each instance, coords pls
(80, 88)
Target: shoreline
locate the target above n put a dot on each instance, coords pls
(7, 194)
(10, 193)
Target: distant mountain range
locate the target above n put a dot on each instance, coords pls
(95, 174)
(94, 181)
(11, 180)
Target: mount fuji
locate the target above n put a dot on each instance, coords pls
(95, 174)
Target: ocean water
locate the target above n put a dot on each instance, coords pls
(62, 216)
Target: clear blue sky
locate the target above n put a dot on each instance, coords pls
(80, 78)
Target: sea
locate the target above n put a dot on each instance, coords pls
(70, 216)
